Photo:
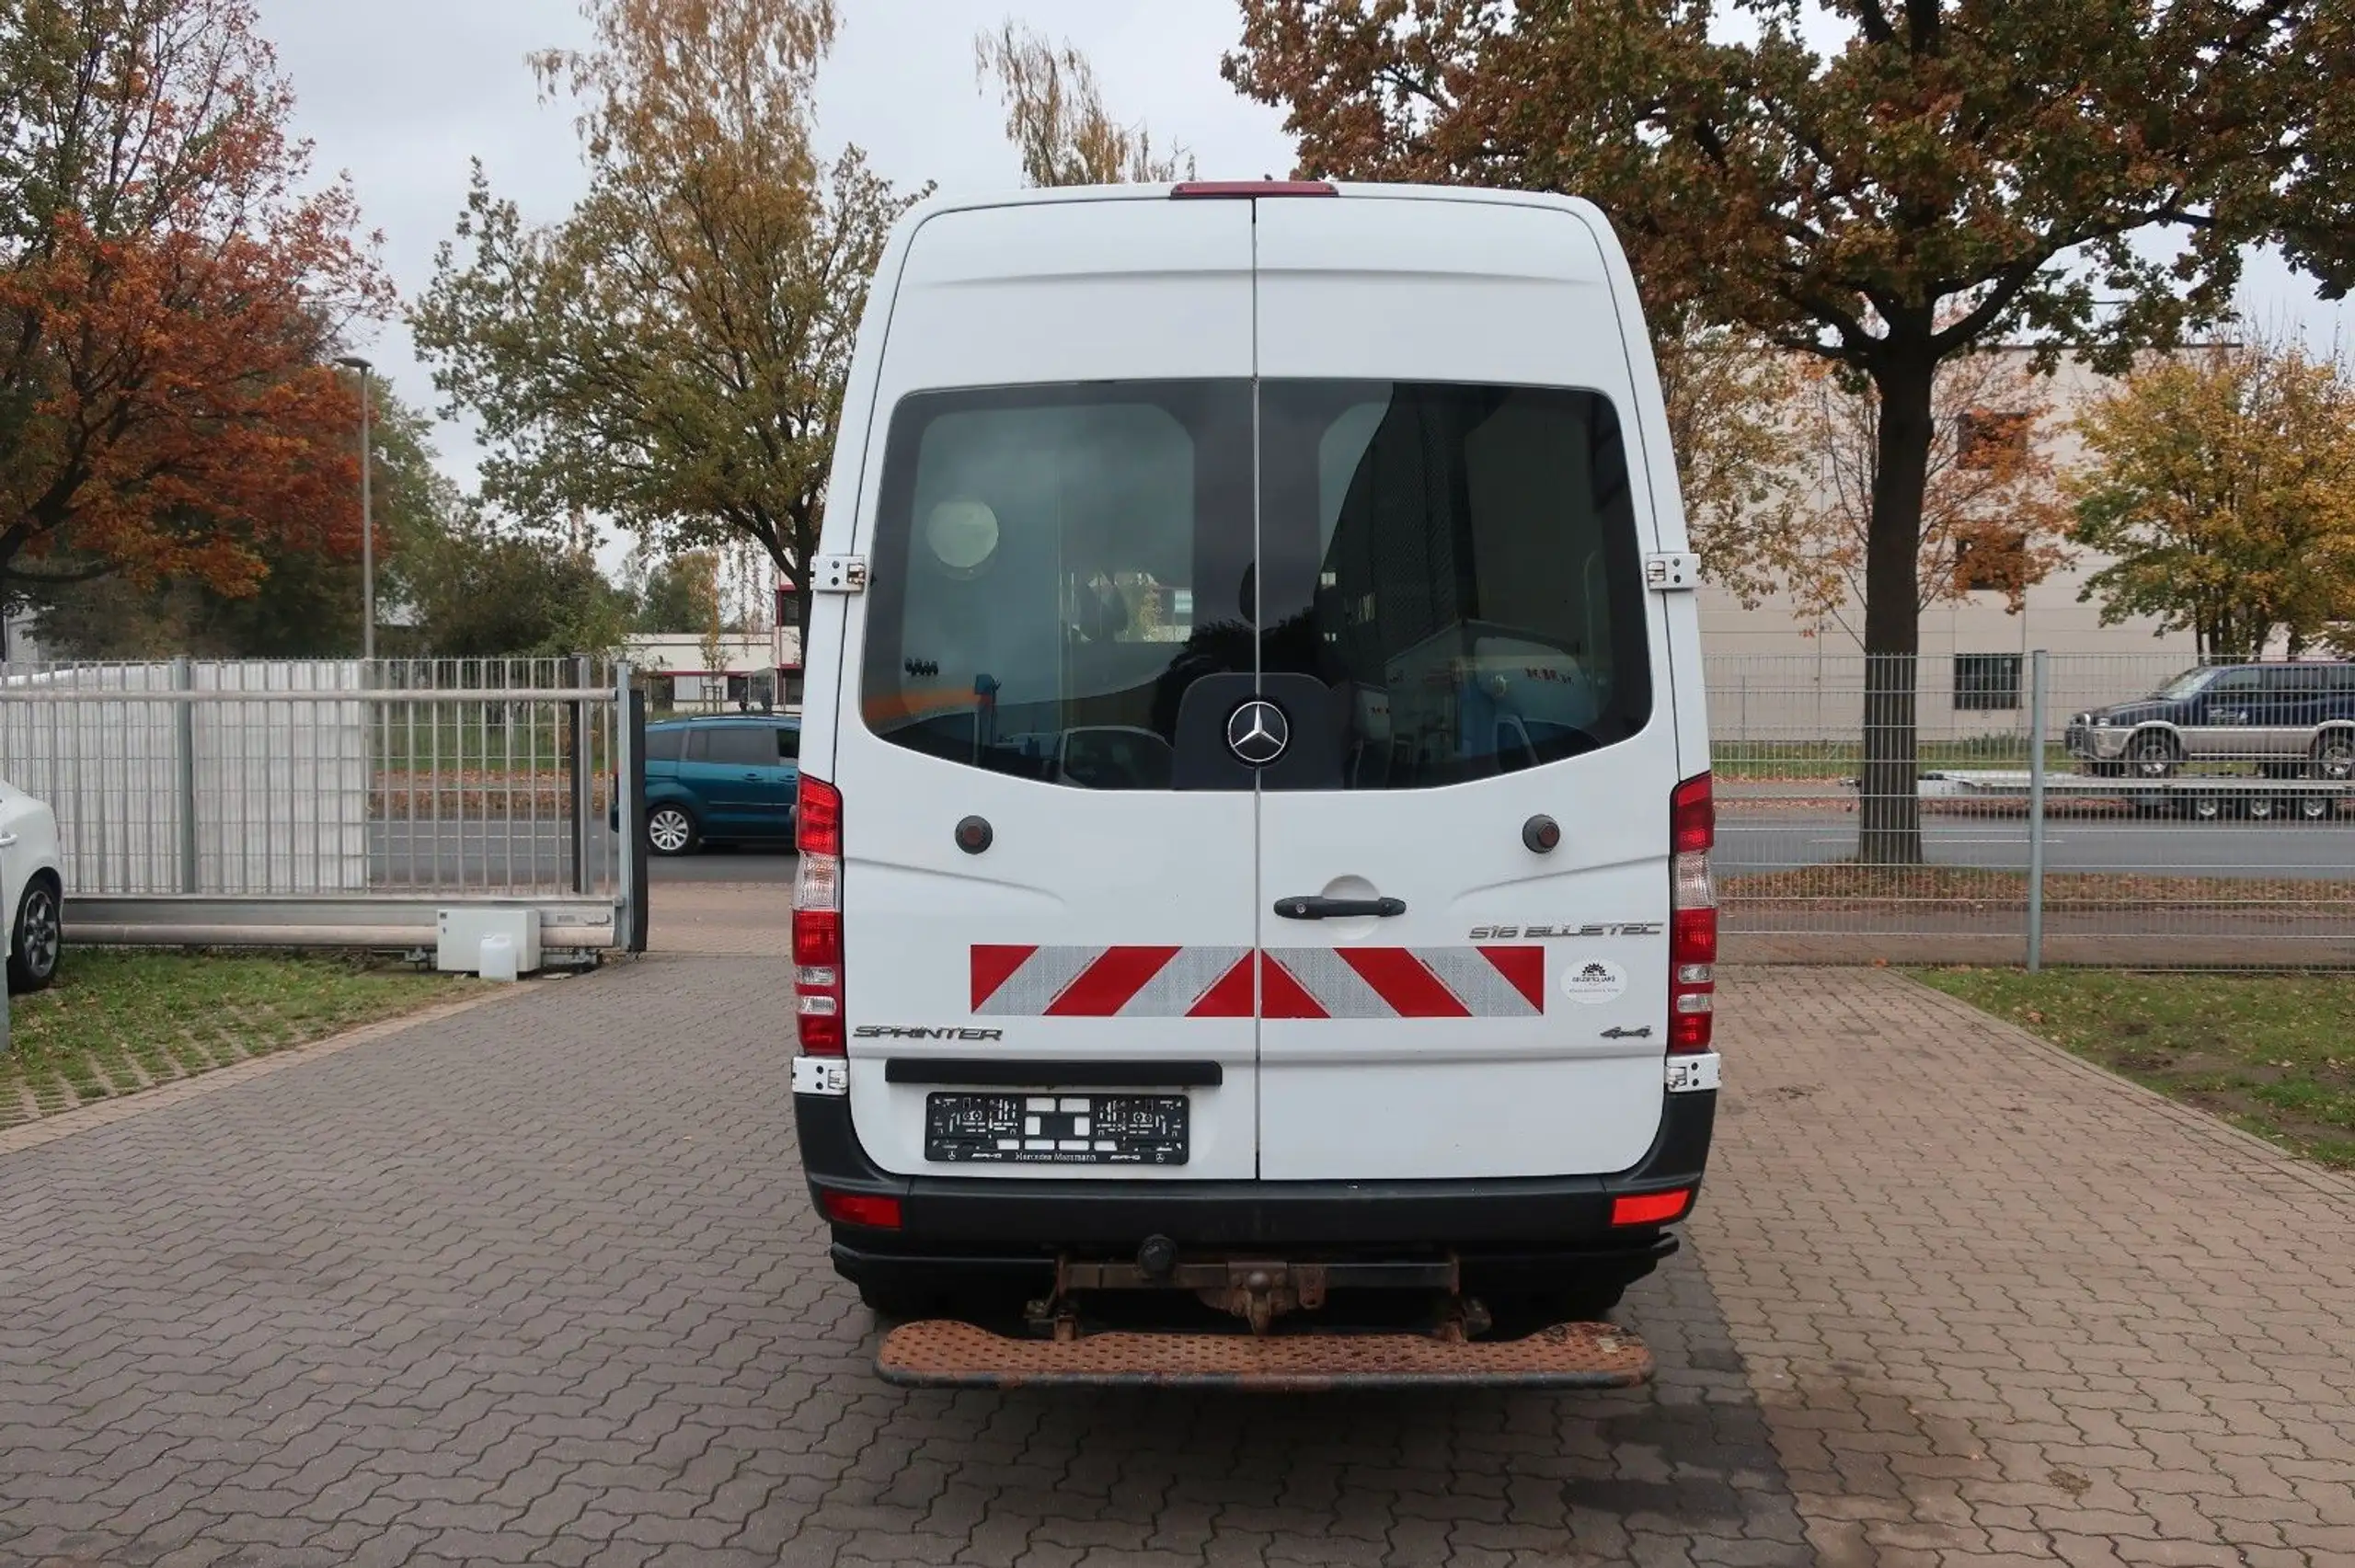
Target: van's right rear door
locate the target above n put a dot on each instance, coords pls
(1452, 586)
(1058, 515)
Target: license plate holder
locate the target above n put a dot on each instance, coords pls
(1058, 1128)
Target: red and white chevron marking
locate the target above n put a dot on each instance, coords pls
(1292, 982)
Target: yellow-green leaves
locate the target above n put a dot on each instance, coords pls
(1056, 119)
(2224, 482)
(672, 354)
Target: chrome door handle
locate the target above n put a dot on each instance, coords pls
(7, 840)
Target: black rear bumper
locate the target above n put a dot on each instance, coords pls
(1538, 1226)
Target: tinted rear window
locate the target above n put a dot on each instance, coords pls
(1462, 563)
(665, 745)
(1045, 558)
(737, 746)
(1456, 568)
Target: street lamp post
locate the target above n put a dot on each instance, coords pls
(367, 518)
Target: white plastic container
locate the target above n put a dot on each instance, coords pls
(497, 958)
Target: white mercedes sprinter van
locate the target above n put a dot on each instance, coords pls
(1254, 803)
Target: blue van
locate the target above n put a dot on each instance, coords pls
(727, 779)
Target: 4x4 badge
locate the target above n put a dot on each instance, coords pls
(1257, 733)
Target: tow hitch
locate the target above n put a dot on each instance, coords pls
(1257, 1290)
(1279, 1341)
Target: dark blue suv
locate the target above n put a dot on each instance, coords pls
(732, 778)
(2293, 720)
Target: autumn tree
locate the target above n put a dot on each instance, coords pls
(1056, 119)
(2224, 483)
(487, 591)
(1950, 173)
(680, 594)
(672, 354)
(308, 606)
(170, 287)
(2309, 202)
(1731, 400)
(1992, 518)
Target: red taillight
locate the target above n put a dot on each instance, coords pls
(1202, 188)
(1692, 816)
(1693, 917)
(818, 817)
(818, 924)
(1651, 1208)
(864, 1208)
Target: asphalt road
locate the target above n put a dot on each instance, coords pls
(528, 854)
(538, 855)
(2325, 850)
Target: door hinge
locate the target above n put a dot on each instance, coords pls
(1672, 572)
(838, 574)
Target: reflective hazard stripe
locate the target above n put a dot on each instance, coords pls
(1288, 982)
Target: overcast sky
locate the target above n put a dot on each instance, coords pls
(401, 97)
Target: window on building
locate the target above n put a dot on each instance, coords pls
(1986, 682)
(1989, 565)
(1985, 437)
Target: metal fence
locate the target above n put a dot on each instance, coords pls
(328, 803)
(2001, 826)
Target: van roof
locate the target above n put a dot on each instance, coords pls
(1044, 196)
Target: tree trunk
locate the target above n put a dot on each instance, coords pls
(1890, 820)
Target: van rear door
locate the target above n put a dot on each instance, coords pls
(1048, 857)
(1451, 554)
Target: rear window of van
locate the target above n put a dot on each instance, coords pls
(1458, 565)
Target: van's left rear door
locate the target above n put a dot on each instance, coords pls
(1057, 511)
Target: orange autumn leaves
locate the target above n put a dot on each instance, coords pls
(169, 299)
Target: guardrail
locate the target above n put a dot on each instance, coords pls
(2235, 848)
(334, 803)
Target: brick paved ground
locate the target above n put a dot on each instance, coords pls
(538, 1283)
(2004, 1307)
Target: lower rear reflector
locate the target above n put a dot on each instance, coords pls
(1651, 1208)
(861, 1209)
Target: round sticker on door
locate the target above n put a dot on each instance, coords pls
(1593, 979)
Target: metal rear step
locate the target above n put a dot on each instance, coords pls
(942, 1353)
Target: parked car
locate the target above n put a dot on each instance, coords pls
(32, 889)
(724, 779)
(1191, 1002)
(2293, 720)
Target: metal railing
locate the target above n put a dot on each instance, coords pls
(328, 803)
(2004, 828)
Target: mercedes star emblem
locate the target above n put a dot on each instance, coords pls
(1257, 732)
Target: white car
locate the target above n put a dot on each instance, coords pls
(1370, 940)
(32, 889)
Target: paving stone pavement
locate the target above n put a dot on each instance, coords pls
(539, 1283)
(2003, 1307)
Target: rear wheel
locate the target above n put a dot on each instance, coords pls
(2316, 808)
(2335, 757)
(671, 829)
(2206, 807)
(39, 938)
